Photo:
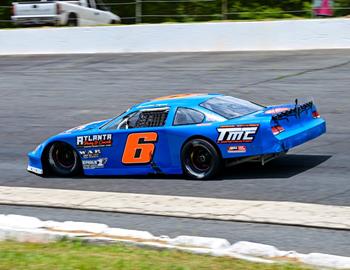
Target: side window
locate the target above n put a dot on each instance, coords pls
(145, 118)
(101, 6)
(187, 116)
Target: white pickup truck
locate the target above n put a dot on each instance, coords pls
(70, 13)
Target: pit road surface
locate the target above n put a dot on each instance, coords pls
(44, 95)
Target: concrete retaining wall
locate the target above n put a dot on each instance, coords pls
(31, 229)
(196, 37)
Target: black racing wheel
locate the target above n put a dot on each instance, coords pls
(63, 159)
(200, 159)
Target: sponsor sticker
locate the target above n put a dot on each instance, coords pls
(90, 153)
(237, 133)
(204, 124)
(98, 140)
(95, 164)
(276, 110)
(237, 149)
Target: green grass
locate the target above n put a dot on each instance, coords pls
(78, 255)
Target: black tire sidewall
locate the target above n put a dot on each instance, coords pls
(56, 169)
(72, 20)
(215, 166)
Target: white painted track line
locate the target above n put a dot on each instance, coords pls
(292, 213)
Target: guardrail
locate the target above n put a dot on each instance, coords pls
(195, 37)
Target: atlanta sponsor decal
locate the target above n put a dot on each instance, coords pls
(237, 149)
(94, 164)
(98, 140)
(237, 133)
(90, 153)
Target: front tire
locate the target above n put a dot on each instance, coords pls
(200, 160)
(63, 160)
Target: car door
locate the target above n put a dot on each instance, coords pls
(89, 15)
(102, 15)
(140, 143)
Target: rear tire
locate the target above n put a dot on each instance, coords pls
(72, 20)
(200, 160)
(63, 160)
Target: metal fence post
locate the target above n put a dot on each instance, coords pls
(224, 9)
(138, 11)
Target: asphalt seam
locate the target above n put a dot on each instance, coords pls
(297, 74)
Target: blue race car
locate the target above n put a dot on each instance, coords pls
(191, 134)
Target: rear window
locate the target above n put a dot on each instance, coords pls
(230, 107)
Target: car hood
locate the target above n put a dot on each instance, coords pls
(86, 127)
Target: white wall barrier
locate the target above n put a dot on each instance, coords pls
(195, 37)
(31, 229)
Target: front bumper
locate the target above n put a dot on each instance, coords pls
(35, 20)
(34, 170)
(34, 163)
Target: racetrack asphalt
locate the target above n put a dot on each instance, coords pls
(44, 95)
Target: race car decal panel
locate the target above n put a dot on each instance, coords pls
(237, 149)
(97, 140)
(237, 133)
(139, 148)
(94, 153)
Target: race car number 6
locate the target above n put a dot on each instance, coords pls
(139, 148)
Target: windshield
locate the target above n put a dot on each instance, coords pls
(230, 107)
(140, 119)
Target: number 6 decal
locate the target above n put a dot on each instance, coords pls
(139, 148)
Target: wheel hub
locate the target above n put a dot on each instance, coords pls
(200, 159)
(64, 157)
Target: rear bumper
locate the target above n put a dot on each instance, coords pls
(35, 20)
(295, 137)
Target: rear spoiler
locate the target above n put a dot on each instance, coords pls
(297, 110)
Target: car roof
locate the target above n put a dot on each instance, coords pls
(188, 99)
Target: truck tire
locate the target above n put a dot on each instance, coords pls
(72, 19)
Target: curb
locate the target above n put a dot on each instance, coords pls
(31, 229)
(272, 212)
